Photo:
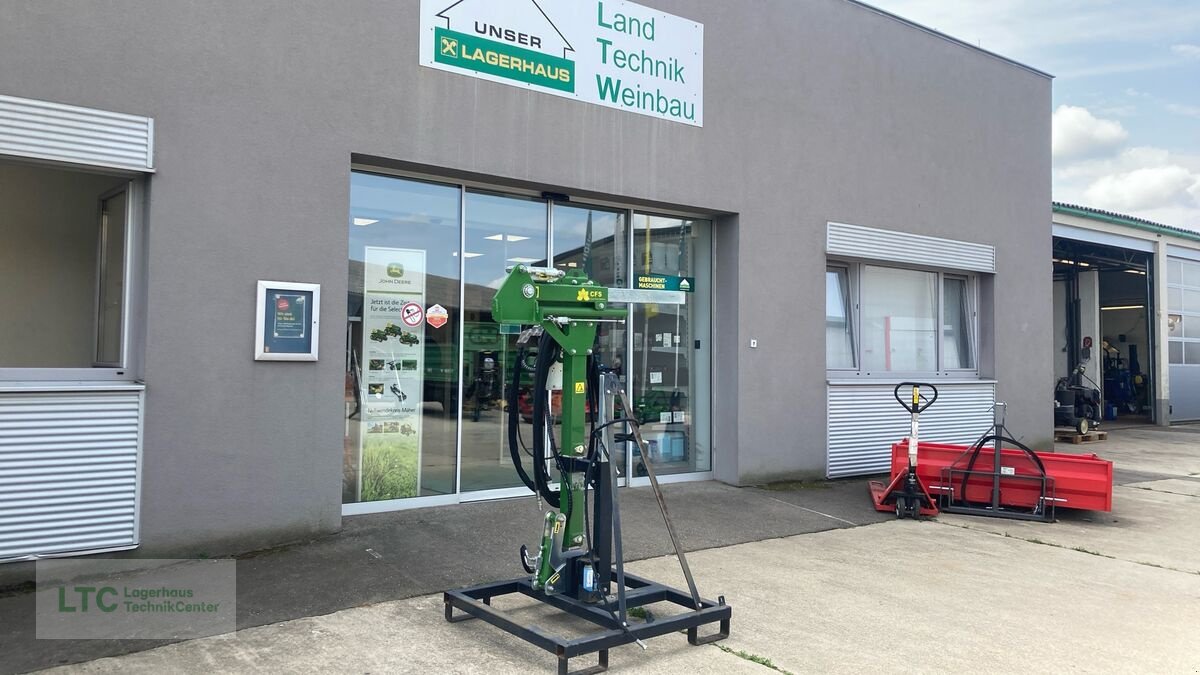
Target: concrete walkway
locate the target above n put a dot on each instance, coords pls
(1093, 592)
(404, 554)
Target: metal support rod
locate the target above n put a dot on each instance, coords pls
(658, 495)
(607, 393)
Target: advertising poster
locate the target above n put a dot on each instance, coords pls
(393, 365)
(285, 327)
(291, 315)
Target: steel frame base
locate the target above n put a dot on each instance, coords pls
(475, 603)
(1042, 511)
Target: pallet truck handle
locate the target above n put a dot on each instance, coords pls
(914, 404)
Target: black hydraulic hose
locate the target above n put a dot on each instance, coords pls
(979, 447)
(547, 354)
(514, 419)
(593, 399)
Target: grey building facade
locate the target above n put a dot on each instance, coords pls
(845, 157)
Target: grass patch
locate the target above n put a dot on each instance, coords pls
(20, 588)
(793, 485)
(1090, 552)
(753, 658)
(639, 613)
(389, 467)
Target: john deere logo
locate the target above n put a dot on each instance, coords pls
(395, 270)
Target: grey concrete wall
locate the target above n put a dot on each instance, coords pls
(49, 222)
(814, 111)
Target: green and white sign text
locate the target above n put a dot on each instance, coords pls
(608, 52)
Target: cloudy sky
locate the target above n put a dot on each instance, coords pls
(1126, 91)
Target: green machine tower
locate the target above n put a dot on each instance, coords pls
(578, 567)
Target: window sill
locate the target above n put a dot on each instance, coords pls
(941, 380)
(67, 386)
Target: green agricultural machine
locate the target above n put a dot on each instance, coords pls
(578, 567)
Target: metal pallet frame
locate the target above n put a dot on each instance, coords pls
(475, 603)
(631, 590)
(948, 502)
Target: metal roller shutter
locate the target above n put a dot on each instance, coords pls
(865, 420)
(67, 133)
(856, 241)
(69, 471)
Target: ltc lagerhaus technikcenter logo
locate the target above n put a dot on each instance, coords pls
(135, 598)
(110, 599)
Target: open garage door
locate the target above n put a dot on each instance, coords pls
(1103, 306)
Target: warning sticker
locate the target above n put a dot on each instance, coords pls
(579, 388)
(411, 314)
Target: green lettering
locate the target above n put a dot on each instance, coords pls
(62, 600)
(607, 89)
(604, 45)
(600, 16)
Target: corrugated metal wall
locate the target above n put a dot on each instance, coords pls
(69, 468)
(865, 419)
(856, 241)
(67, 133)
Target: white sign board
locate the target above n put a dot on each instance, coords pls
(608, 52)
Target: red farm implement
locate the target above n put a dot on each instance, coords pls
(995, 476)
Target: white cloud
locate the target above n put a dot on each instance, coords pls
(1186, 51)
(1077, 133)
(1146, 182)
(1130, 159)
(1146, 188)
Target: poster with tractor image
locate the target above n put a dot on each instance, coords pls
(393, 352)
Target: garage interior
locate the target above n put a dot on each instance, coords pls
(1104, 293)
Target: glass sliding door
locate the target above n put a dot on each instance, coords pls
(428, 368)
(501, 231)
(401, 383)
(671, 367)
(596, 241)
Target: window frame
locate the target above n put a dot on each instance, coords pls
(971, 308)
(132, 296)
(101, 269)
(1182, 310)
(852, 315)
(854, 274)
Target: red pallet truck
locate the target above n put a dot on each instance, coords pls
(906, 494)
(1009, 482)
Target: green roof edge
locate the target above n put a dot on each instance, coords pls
(1128, 221)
